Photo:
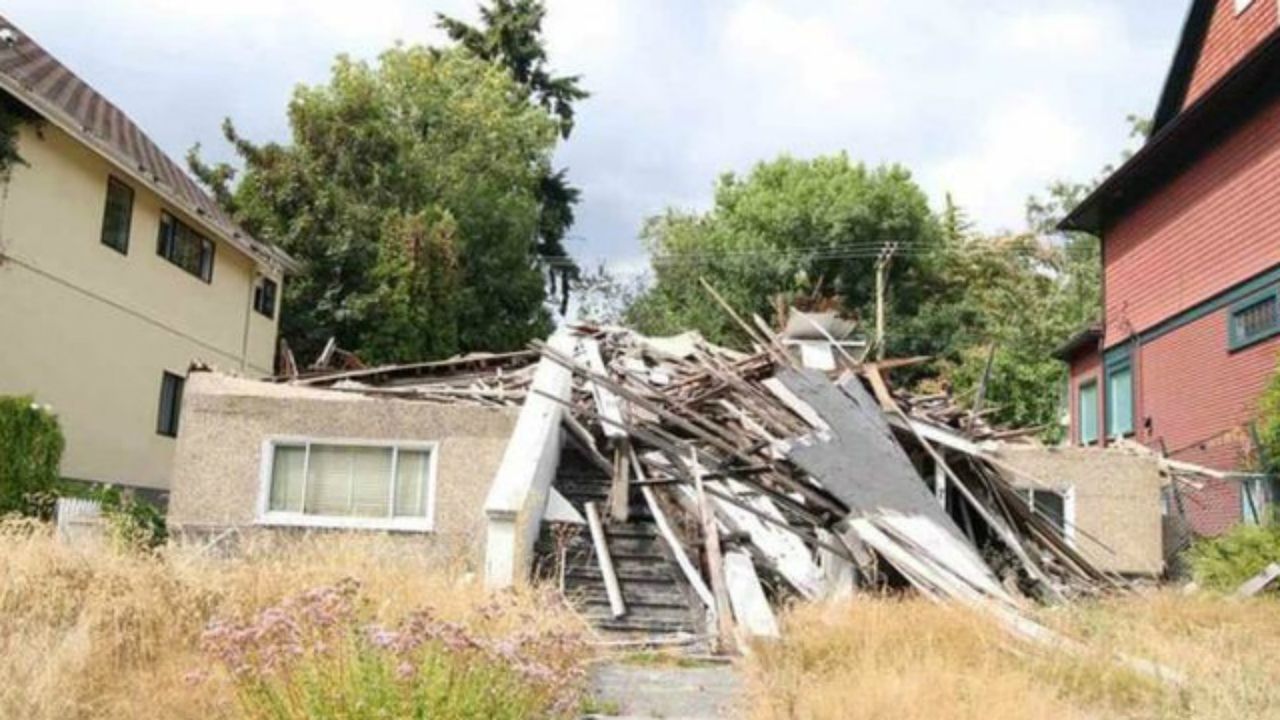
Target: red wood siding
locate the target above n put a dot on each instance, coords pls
(1229, 38)
(1199, 398)
(1084, 367)
(1209, 229)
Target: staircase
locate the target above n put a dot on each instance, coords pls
(659, 600)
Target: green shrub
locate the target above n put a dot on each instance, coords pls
(134, 524)
(1269, 427)
(1225, 562)
(31, 447)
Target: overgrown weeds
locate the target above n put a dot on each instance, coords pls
(880, 658)
(98, 633)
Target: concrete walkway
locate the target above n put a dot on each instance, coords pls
(670, 692)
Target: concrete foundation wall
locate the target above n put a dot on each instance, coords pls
(225, 421)
(1116, 502)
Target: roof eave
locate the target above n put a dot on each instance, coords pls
(1091, 216)
(274, 258)
(1078, 342)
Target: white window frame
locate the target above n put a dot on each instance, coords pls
(1068, 495)
(278, 518)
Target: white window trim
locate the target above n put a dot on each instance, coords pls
(1068, 509)
(278, 518)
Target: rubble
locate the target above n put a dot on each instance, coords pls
(771, 482)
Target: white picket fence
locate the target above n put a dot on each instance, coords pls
(79, 520)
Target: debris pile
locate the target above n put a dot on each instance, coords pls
(486, 379)
(772, 481)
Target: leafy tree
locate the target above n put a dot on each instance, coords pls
(1268, 427)
(793, 228)
(12, 115)
(411, 192)
(510, 34)
(603, 296)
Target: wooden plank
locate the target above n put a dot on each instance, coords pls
(715, 566)
(608, 404)
(839, 575)
(750, 606)
(795, 404)
(1259, 582)
(686, 565)
(605, 560)
(620, 489)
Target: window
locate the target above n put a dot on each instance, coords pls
(1253, 319)
(184, 247)
(349, 485)
(118, 216)
(264, 297)
(1087, 413)
(1056, 507)
(1119, 398)
(170, 404)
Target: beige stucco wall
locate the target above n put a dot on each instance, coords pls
(1117, 501)
(89, 330)
(225, 421)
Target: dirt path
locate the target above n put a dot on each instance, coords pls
(670, 692)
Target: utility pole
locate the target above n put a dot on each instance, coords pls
(882, 273)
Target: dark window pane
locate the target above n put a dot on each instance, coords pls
(184, 247)
(264, 297)
(1052, 507)
(170, 404)
(1256, 320)
(118, 215)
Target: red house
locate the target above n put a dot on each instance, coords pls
(1190, 231)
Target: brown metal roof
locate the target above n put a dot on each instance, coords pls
(57, 93)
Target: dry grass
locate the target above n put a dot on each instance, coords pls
(912, 659)
(92, 633)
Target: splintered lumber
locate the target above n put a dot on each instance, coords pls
(783, 551)
(612, 589)
(750, 606)
(620, 490)
(1259, 582)
(608, 404)
(839, 575)
(686, 565)
(711, 536)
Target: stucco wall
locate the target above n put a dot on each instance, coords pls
(90, 331)
(217, 466)
(1117, 501)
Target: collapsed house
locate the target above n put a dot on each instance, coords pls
(671, 487)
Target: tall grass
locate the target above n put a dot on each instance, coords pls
(880, 658)
(95, 633)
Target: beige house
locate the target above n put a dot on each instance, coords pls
(116, 273)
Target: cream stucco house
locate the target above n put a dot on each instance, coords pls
(116, 273)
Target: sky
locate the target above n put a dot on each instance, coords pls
(989, 100)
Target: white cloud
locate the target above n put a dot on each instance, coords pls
(988, 98)
(1083, 33)
(802, 56)
(1021, 146)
